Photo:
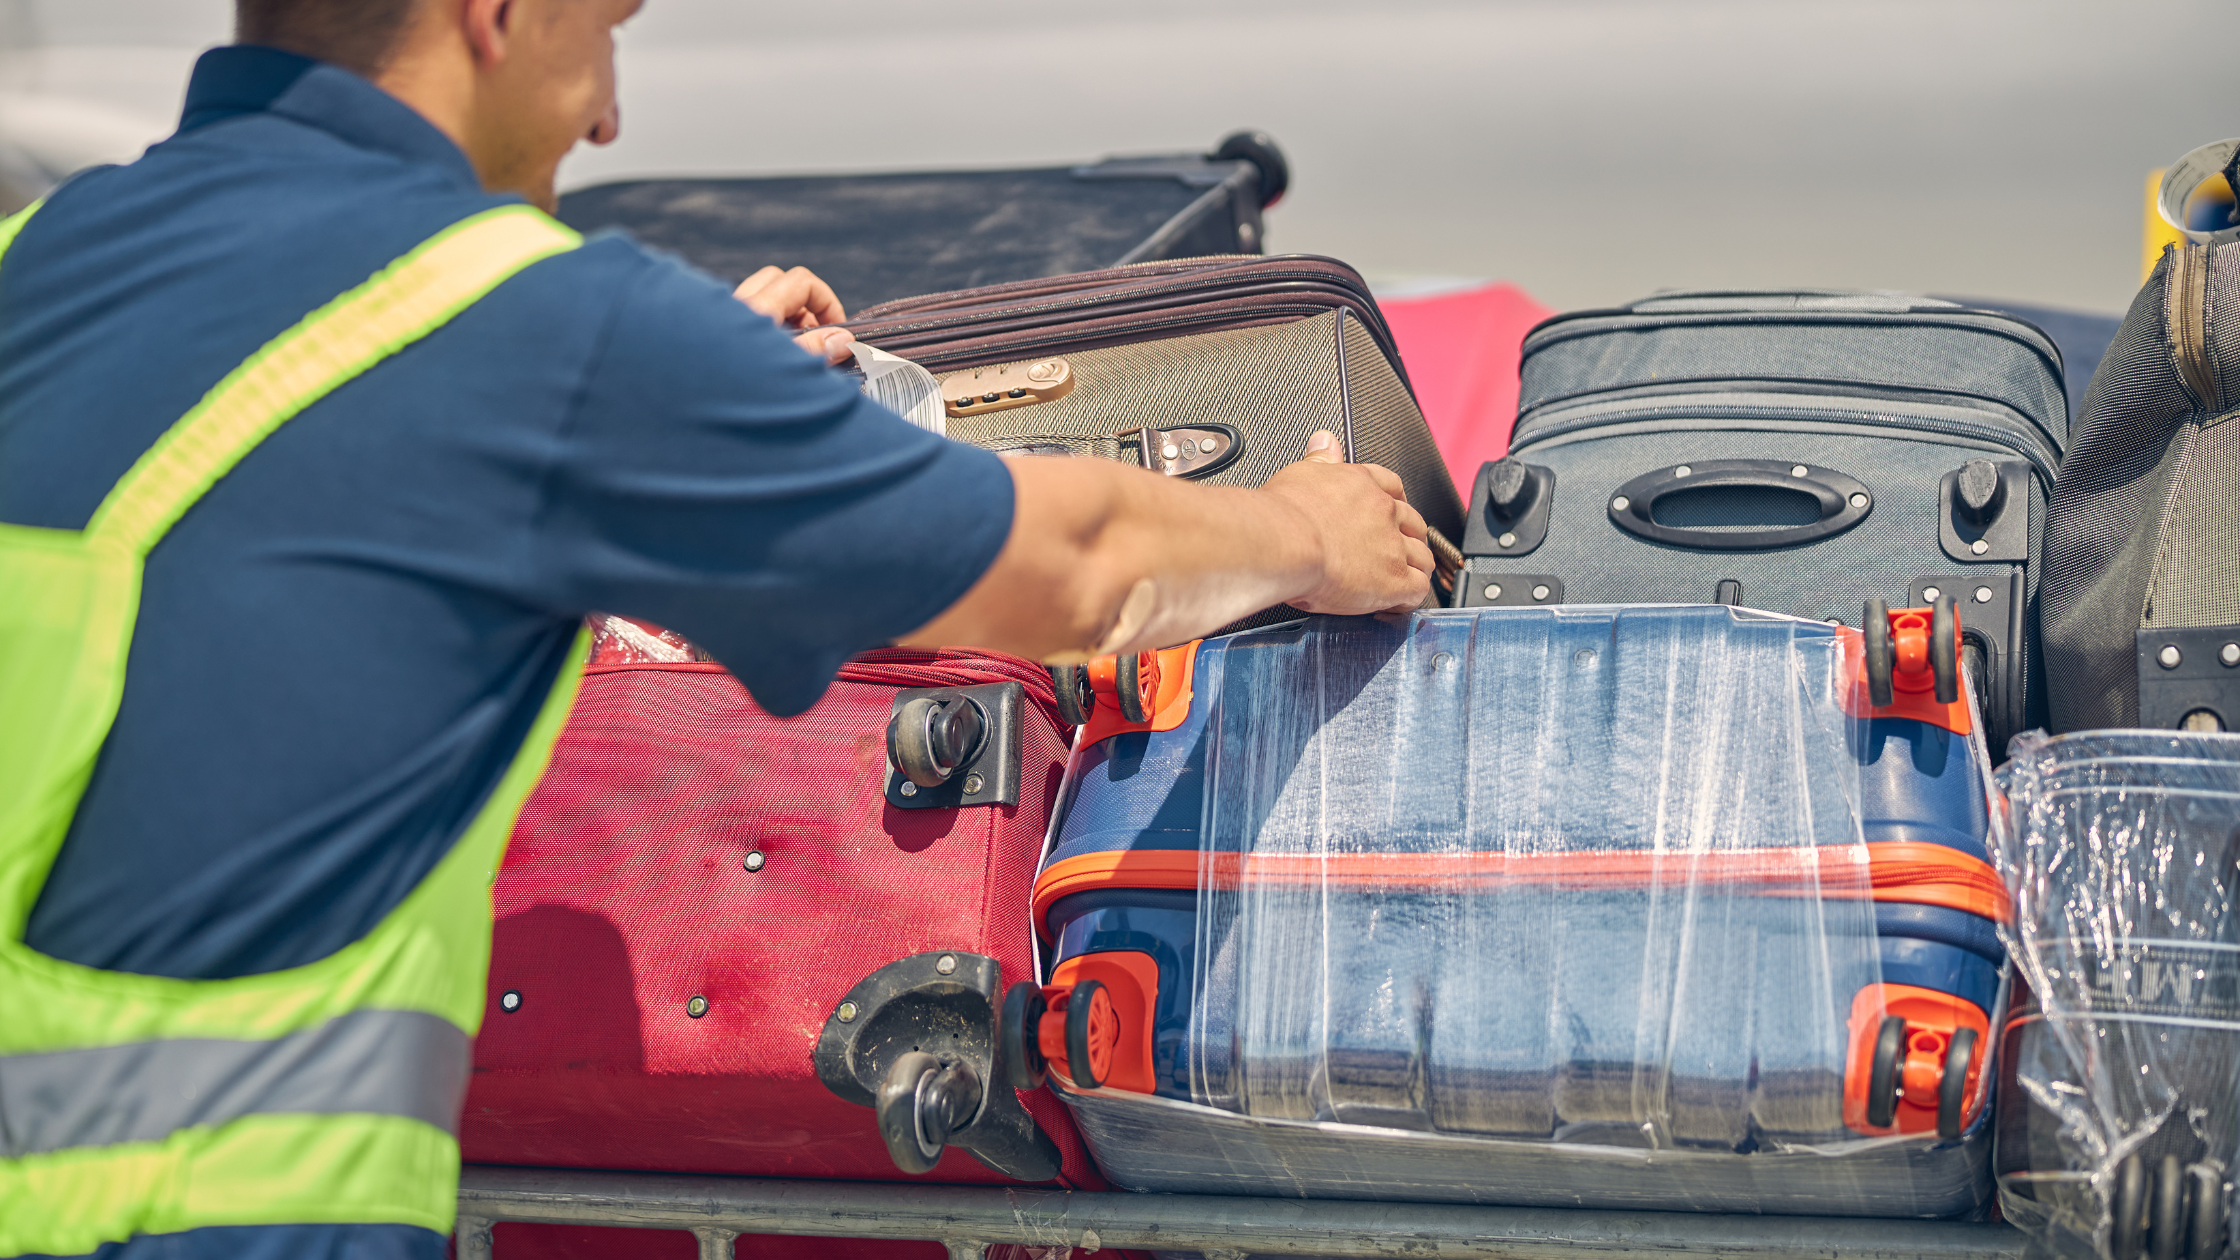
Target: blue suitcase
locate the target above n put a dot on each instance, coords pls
(1677, 907)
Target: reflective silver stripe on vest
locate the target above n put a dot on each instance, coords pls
(396, 1063)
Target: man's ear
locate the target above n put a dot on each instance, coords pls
(488, 24)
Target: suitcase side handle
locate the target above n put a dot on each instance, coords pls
(1834, 501)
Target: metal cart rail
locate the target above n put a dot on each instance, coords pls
(970, 1219)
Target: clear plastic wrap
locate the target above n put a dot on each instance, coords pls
(1559, 906)
(2121, 1114)
(622, 641)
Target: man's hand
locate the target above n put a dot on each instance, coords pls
(1104, 557)
(1375, 558)
(798, 299)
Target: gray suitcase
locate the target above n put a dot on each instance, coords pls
(1800, 452)
(2142, 584)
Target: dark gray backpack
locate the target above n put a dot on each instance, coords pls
(2139, 602)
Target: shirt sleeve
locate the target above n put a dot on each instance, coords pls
(715, 479)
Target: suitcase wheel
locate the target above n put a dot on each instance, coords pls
(1017, 1043)
(2176, 1210)
(1081, 1034)
(1944, 650)
(1075, 698)
(1129, 677)
(1901, 647)
(1952, 1091)
(921, 1103)
(1258, 148)
(1883, 1084)
(928, 738)
(1882, 654)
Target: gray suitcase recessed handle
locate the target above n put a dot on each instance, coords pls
(1842, 502)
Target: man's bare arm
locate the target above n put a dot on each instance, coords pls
(1103, 557)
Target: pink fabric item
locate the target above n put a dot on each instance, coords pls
(1461, 350)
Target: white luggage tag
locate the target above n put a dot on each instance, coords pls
(902, 387)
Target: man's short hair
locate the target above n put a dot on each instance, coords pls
(358, 35)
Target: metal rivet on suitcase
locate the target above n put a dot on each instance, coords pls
(1507, 540)
(1983, 594)
(696, 1006)
(1978, 547)
(1930, 594)
(847, 1012)
(1800, 471)
(1858, 500)
(973, 783)
(1621, 503)
(755, 859)
(907, 788)
(509, 1001)
(1682, 471)
(2169, 657)
(1539, 592)
(2229, 655)
(1493, 591)
(946, 964)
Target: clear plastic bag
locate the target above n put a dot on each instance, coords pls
(2121, 1115)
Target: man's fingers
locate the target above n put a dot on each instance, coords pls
(1419, 556)
(1409, 520)
(756, 283)
(835, 345)
(796, 298)
(1323, 448)
(1386, 479)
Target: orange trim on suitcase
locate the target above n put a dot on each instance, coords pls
(1905, 871)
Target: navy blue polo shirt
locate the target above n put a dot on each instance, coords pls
(340, 648)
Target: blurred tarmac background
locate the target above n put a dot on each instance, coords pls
(1589, 150)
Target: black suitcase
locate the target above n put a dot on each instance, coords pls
(1799, 452)
(875, 238)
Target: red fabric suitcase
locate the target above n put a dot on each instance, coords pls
(688, 897)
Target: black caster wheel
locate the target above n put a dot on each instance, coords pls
(1944, 649)
(1075, 699)
(1020, 1032)
(2204, 1212)
(921, 1104)
(1882, 655)
(897, 1111)
(1127, 687)
(1952, 1089)
(1883, 1081)
(1259, 148)
(1089, 1020)
(2166, 1216)
(2127, 1233)
(928, 738)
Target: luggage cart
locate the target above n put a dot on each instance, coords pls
(970, 1219)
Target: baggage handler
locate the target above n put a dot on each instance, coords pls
(292, 569)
